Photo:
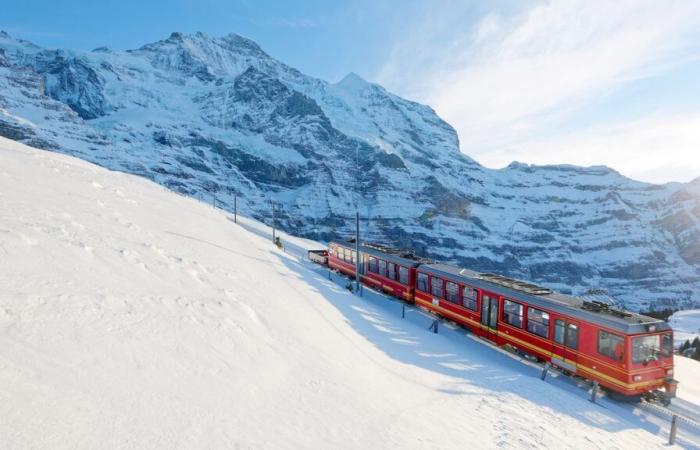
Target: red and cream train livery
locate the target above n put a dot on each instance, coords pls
(628, 353)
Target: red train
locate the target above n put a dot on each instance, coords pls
(629, 354)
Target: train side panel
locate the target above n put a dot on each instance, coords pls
(575, 345)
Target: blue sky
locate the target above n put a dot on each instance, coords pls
(611, 82)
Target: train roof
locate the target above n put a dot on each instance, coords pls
(589, 311)
(398, 256)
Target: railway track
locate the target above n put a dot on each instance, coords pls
(677, 408)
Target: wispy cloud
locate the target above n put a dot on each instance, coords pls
(514, 76)
(657, 148)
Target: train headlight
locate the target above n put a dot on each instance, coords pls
(669, 372)
(637, 378)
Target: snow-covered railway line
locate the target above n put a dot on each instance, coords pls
(687, 427)
(652, 417)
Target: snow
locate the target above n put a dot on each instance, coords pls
(686, 325)
(688, 370)
(132, 317)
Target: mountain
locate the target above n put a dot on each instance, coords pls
(219, 117)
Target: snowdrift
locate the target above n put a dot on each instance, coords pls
(131, 317)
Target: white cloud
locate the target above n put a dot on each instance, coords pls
(656, 149)
(513, 77)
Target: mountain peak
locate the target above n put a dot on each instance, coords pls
(237, 41)
(176, 36)
(231, 42)
(203, 56)
(353, 81)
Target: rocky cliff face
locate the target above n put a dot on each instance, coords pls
(219, 117)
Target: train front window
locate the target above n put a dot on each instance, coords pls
(650, 348)
(667, 345)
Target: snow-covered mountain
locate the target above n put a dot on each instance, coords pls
(220, 117)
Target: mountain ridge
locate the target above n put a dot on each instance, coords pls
(220, 117)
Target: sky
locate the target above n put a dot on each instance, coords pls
(585, 82)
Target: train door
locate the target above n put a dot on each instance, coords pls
(565, 347)
(489, 315)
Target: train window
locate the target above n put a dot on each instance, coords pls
(422, 282)
(353, 257)
(572, 335)
(469, 298)
(452, 292)
(513, 313)
(667, 345)
(403, 275)
(559, 331)
(382, 268)
(646, 348)
(610, 345)
(391, 271)
(372, 265)
(436, 287)
(538, 322)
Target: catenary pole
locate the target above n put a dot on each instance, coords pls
(273, 220)
(357, 252)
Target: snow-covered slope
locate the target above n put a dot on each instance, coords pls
(688, 370)
(131, 317)
(219, 117)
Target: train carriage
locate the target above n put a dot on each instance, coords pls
(382, 268)
(389, 270)
(628, 353)
(625, 352)
(341, 257)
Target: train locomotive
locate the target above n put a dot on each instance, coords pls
(628, 354)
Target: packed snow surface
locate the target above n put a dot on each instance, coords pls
(688, 370)
(131, 317)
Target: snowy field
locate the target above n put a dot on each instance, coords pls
(686, 325)
(131, 317)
